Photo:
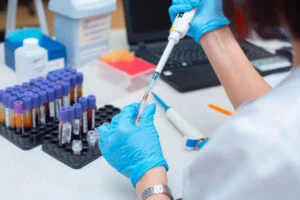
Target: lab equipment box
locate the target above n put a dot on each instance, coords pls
(83, 26)
(65, 154)
(57, 54)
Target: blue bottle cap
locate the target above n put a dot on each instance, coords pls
(70, 69)
(1, 96)
(25, 85)
(27, 103)
(43, 87)
(77, 110)
(8, 89)
(67, 79)
(17, 87)
(36, 90)
(73, 80)
(43, 97)
(51, 94)
(66, 88)
(91, 101)
(63, 114)
(71, 113)
(6, 96)
(83, 103)
(11, 101)
(40, 78)
(58, 91)
(79, 78)
(15, 92)
(23, 90)
(20, 95)
(35, 100)
(28, 93)
(32, 82)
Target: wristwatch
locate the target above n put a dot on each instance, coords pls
(154, 190)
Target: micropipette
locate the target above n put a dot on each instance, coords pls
(179, 29)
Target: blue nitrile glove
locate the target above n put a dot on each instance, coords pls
(132, 149)
(209, 16)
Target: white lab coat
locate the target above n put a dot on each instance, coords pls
(255, 155)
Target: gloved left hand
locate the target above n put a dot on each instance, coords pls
(129, 148)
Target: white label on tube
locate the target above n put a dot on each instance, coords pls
(7, 120)
(75, 94)
(33, 118)
(66, 99)
(57, 106)
(76, 128)
(66, 133)
(93, 30)
(85, 122)
(51, 109)
(42, 115)
(93, 119)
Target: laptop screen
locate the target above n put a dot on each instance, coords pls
(147, 20)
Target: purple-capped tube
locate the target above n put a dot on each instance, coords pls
(15, 92)
(6, 96)
(71, 119)
(77, 122)
(51, 103)
(83, 102)
(2, 112)
(12, 115)
(17, 87)
(42, 108)
(25, 85)
(27, 115)
(91, 111)
(19, 116)
(79, 76)
(65, 126)
(73, 89)
(66, 94)
(58, 99)
(35, 110)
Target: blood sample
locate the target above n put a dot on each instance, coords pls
(27, 116)
(91, 111)
(51, 103)
(73, 89)
(12, 116)
(66, 93)
(58, 99)
(79, 84)
(71, 120)
(18, 108)
(77, 122)
(83, 103)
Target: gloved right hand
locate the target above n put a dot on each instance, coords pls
(209, 16)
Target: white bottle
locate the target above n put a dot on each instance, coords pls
(31, 60)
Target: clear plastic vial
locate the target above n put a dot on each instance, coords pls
(31, 60)
(92, 138)
(77, 122)
(12, 116)
(91, 111)
(77, 147)
(19, 111)
(66, 93)
(65, 127)
(58, 99)
(83, 103)
(27, 117)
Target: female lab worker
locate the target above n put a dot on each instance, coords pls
(255, 155)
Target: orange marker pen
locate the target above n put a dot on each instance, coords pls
(221, 110)
(19, 109)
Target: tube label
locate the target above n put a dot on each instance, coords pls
(66, 133)
(58, 105)
(93, 119)
(66, 100)
(7, 118)
(75, 94)
(76, 128)
(51, 109)
(33, 118)
(85, 122)
(42, 115)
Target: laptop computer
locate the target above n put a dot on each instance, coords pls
(188, 67)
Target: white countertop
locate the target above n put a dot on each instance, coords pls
(34, 175)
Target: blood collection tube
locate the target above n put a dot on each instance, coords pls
(8, 89)
(77, 122)
(2, 112)
(79, 84)
(91, 111)
(58, 99)
(25, 85)
(12, 115)
(6, 96)
(65, 127)
(35, 110)
(51, 103)
(19, 108)
(15, 92)
(17, 87)
(73, 89)
(84, 124)
(66, 93)
(71, 119)
(42, 108)
(27, 114)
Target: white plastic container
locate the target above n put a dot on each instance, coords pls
(31, 60)
(83, 26)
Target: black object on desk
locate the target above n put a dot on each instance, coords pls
(188, 67)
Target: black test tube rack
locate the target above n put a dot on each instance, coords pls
(30, 139)
(65, 154)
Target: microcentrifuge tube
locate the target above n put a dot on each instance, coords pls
(19, 116)
(83, 103)
(77, 147)
(92, 138)
(91, 111)
(65, 127)
(27, 116)
(77, 122)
